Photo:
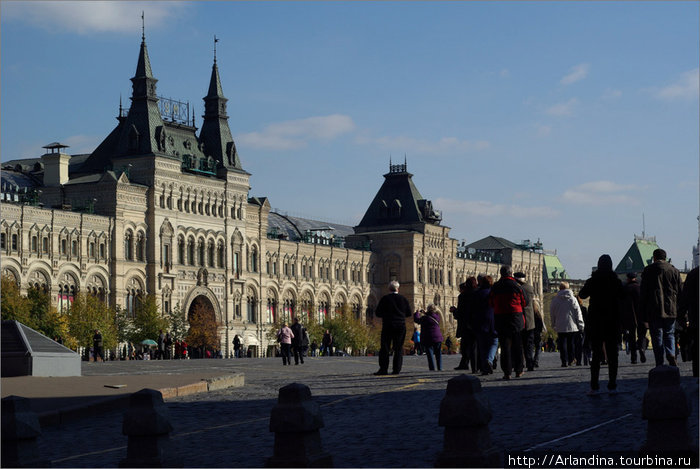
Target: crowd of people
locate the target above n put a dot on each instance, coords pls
(507, 314)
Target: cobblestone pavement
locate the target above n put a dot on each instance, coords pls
(370, 421)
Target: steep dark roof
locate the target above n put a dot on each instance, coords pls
(398, 205)
(492, 243)
(294, 228)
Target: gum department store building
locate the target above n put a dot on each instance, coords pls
(157, 208)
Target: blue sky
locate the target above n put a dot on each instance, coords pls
(566, 122)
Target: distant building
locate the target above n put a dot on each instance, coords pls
(638, 256)
(160, 208)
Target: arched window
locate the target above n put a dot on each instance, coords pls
(200, 252)
(220, 256)
(271, 310)
(254, 259)
(181, 250)
(190, 251)
(128, 245)
(140, 248)
(251, 304)
(210, 253)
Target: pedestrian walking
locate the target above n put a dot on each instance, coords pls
(393, 308)
(486, 336)
(285, 336)
(689, 315)
(97, 349)
(327, 344)
(160, 352)
(464, 315)
(634, 326)
(416, 341)
(659, 291)
(567, 321)
(236, 346)
(508, 302)
(297, 338)
(528, 332)
(167, 344)
(431, 336)
(603, 326)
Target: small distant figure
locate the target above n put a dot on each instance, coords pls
(416, 341)
(178, 349)
(327, 344)
(297, 338)
(285, 336)
(167, 343)
(688, 314)
(393, 308)
(314, 347)
(161, 345)
(431, 336)
(236, 346)
(304, 342)
(659, 290)
(632, 322)
(448, 345)
(97, 349)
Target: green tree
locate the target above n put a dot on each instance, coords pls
(13, 305)
(148, 322)
(179, 326)
(126, 328)
(88, 313)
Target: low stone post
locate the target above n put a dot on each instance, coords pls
(147, 424)
(465, 413)
(20, 430)
(296, 420)
(666, 407)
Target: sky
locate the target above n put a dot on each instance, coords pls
(572, 123)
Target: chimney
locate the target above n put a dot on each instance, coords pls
(55, 165)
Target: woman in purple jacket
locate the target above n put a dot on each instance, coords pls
(430, 336)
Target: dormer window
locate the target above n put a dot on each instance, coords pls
(396, 209)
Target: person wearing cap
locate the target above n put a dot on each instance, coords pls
(528, 331)
(659, 291)
(634, 327)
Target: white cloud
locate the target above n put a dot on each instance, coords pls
(577, 73)
(611, 93)
(602, 193)
(562, 109)
(543, 130)
(298, 133)
(686, 87)
(489, 209)
(410, 145)
(87, 17)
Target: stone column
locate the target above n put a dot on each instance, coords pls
(296, 420)
(465, 413)
(666, 407)
(147, 424)
(20, 430)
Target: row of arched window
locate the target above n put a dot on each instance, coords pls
(199, 204)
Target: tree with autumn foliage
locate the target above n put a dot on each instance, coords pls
(204, 329)
(148, 322)
(86, 314)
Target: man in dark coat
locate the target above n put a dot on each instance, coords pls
(632, 322)
(393, 309)
(528, 332)
(603, 327)
(508, 303)
(462, 313)
(97, 345)
(660, 288)
(298, 332)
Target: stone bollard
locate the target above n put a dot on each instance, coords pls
(465, 413)
(666, 407)
(20, 429)
(296, 420)
(147, 424)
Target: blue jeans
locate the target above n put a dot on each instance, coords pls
(662, 338)
(434, 349)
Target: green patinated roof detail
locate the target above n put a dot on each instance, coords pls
(553, 268)
(637, 257)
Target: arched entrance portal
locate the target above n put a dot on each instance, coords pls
(203, 337)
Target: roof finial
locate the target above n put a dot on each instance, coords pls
(143, 27)
(215, 41)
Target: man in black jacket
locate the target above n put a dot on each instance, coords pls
(393, 309)
(660, 288)
(297, 330)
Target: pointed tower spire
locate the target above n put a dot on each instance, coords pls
(216, 134)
